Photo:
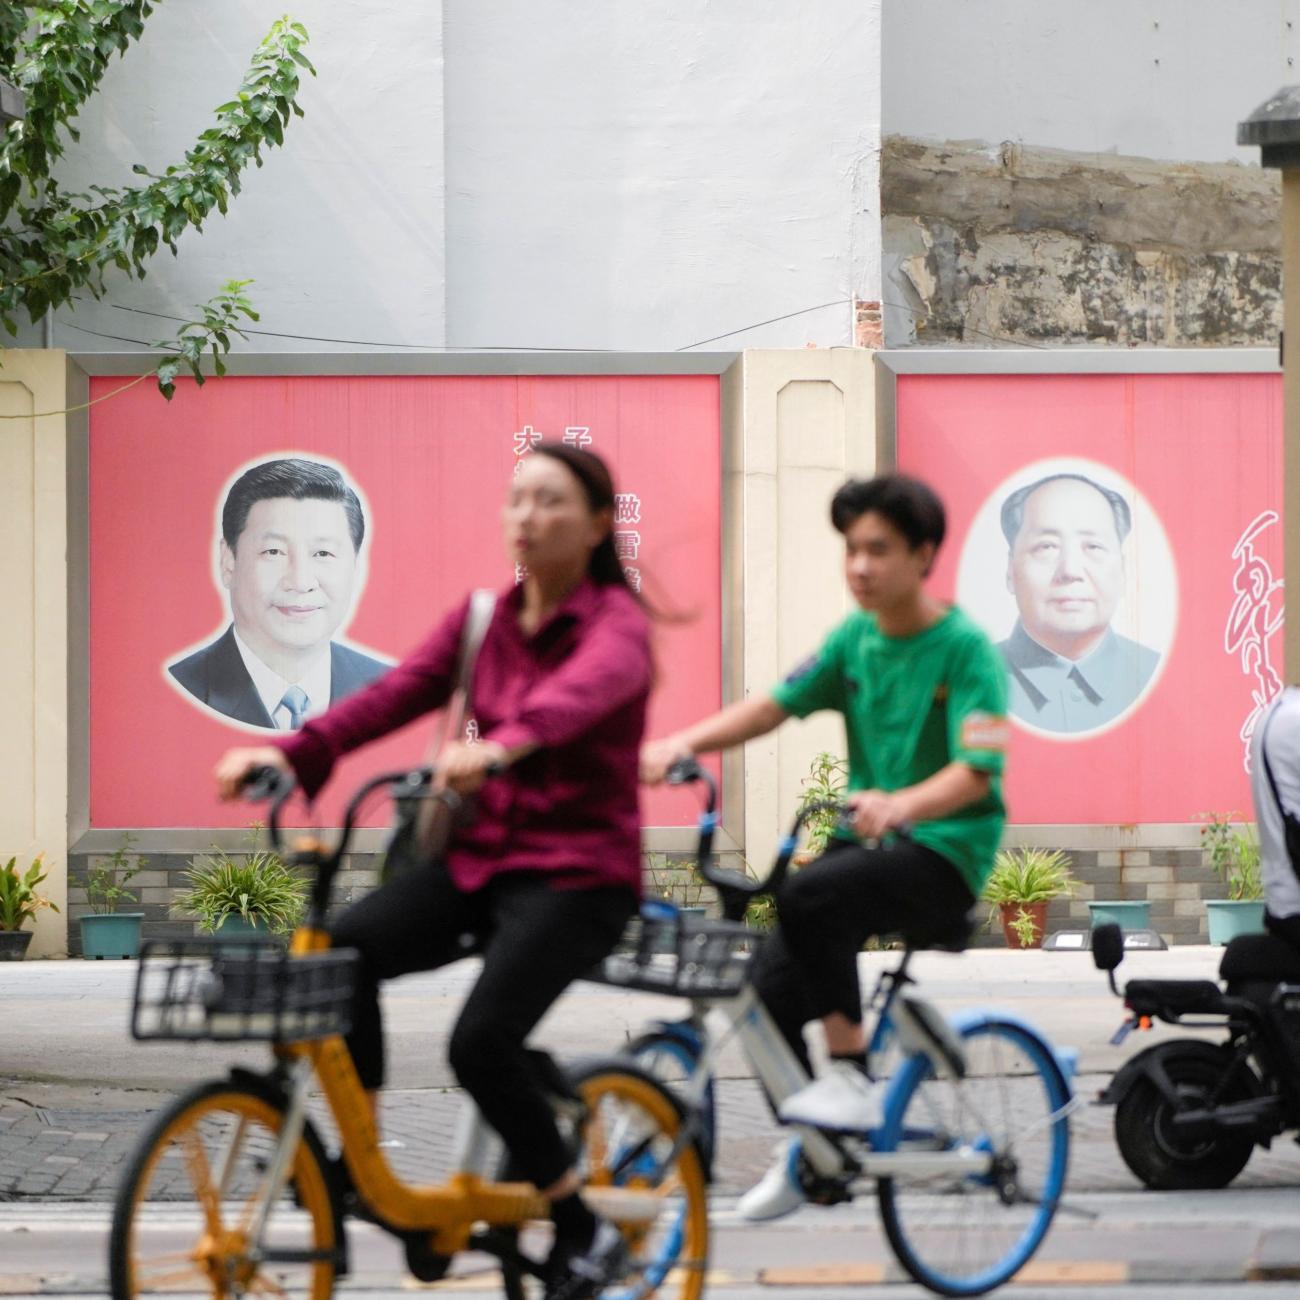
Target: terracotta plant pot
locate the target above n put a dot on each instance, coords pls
(1037, 913)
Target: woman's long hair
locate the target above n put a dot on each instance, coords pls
(597, 482)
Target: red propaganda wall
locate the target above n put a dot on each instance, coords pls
(1153, 729)
(431, 459)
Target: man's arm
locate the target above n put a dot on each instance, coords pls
(731, 726)
(951, 788)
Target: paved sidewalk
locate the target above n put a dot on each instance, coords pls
(62, 1147)
(75, 1092)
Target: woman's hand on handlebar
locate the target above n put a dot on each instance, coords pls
(235, 765)
(463, 768)
(659, 755)
(877, 811)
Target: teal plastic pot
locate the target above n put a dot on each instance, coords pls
(1230, 917)
(1127, 914)
(235, 927)
(111, 934)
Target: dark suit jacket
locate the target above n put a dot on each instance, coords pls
(216, 676)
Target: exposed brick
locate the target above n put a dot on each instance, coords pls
(1148, 875)
(1101, 876)
(148, 879)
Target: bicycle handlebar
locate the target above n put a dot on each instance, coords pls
(270, 783)
(736, 889)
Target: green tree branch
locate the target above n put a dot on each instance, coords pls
(54, 244)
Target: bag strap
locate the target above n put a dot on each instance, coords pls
(1290, 822)
(482, 604)
(431, 820)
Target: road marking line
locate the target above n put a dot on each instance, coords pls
(823, 1275)
(1073, 1272)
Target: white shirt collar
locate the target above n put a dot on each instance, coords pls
(271, 686)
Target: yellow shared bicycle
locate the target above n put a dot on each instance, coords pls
(234, 1190)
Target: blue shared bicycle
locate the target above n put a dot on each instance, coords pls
(969, 1161)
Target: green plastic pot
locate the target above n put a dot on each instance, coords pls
(111, 934)
(1128, 914)
(1230, 917)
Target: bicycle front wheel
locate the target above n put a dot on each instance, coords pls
(962, 1233)
(185, 1215)
(635, 1173)
(673, 1059)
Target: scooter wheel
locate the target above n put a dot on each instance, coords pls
(1166, 1159)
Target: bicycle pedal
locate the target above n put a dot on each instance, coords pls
(423, 1262)
(821, 1190)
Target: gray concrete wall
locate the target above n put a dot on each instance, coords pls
(595, 174)
(341, 230)
(635, 176)
(1152, 78)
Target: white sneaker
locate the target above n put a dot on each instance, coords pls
(842, 1100)
(778, 1192)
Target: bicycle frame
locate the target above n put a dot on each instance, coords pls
(447, 1211)
(745, 1018)
(917, 1027)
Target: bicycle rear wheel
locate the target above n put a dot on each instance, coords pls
(183, 1220)
(961, 1233)
(635, 1174)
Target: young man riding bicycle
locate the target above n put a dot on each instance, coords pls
(923, 694)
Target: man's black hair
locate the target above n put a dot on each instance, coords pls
(908, 504)
(302, 480)
(1013, 508)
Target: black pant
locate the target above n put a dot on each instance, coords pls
(535, 941)
(808, 966)
(1287, 928)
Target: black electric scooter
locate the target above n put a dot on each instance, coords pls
(1189, 1112)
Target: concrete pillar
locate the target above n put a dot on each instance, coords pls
(797, 423)
(34, 649)
(1275, 127)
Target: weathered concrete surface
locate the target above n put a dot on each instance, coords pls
(1008, 243)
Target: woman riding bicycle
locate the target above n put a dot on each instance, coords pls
(547, 874)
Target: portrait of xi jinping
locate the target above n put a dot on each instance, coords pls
(1070, 670)
(290, 564)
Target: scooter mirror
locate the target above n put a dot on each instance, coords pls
(1107, 947)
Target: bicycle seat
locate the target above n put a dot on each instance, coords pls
(948, 936)
(1172, 998)
(1259, 957)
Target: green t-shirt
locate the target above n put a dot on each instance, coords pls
(911, 706)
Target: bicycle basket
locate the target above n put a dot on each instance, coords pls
(244, 990)
(666, 952)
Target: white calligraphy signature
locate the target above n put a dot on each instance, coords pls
(1256, 615)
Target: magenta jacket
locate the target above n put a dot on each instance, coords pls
(578, 687)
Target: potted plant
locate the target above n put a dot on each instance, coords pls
(235, 895)
(106, 932)
(827, 779)
(1023, 882)
(1233, 852)
(19, 903)
(679, 883)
